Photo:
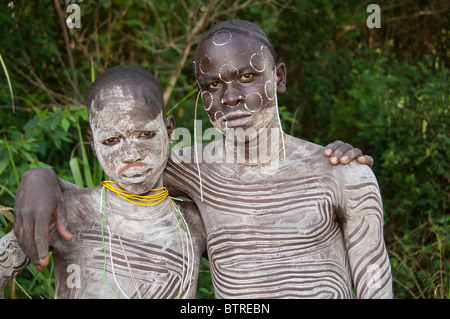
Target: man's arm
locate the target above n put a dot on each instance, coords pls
(12, 260)
(38, 200)
(362, 220)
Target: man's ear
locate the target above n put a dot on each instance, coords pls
(91, 140)
(281, 77)
(170, 126)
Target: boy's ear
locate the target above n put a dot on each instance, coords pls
(170, 126)
(91, 140)
(281, 78)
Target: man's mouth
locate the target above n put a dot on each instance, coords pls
(236, 119)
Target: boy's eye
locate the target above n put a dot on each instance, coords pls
(246, 76)
(147, 134)
(111, 141)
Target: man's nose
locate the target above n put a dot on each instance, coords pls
(232, 97)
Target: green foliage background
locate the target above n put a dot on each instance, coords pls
(385, 91)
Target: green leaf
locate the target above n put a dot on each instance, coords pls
(9, 82)
(92, 71)
(11, 159)
(181, 101)
(85, 161)
(3, 164)
(76, 172)
(98, 172)
(65, 124)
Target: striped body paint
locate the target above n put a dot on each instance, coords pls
(305, 229)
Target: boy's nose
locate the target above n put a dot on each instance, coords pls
(131, 153)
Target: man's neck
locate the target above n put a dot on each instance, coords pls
(255, 147)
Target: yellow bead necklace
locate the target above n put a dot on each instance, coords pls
(133, 198)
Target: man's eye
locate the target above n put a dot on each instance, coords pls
(147, 134)
(246, 76)
(214, 85)
(111, 141)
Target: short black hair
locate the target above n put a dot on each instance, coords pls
(239, 26)
(134, 79)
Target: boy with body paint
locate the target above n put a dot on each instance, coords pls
(130, 240)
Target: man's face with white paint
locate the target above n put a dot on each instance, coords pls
(130, 139)
(236, 75)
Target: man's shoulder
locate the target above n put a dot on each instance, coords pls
(305, 151)
(355, 172)
(306, 147)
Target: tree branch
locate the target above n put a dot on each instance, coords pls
(207, 16)
(74, 81)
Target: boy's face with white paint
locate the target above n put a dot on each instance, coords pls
(236, 75)
(130, 139)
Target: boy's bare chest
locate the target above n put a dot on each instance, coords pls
(123, 231)
(112, 245)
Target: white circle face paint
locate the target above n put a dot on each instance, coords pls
(269, 90)
(257, 62)
(228, 69)
(230, 90)
(206, 65)
(207, 99)
(217, 120)
(222, 37)
(253, 102)
(265, 52)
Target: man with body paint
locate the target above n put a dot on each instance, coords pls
(140, 246)
(281, 222)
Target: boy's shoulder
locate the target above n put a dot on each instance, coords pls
(79, 193)
(189, 211)
(82, 200)
(192, 216)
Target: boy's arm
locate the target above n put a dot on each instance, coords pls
(12, 260)
(38, 200)
(362, 220)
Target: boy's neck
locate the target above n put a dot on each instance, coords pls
(155, 198)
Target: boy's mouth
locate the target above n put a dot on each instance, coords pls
(130, 170)
(136, 177)
(137, 174)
